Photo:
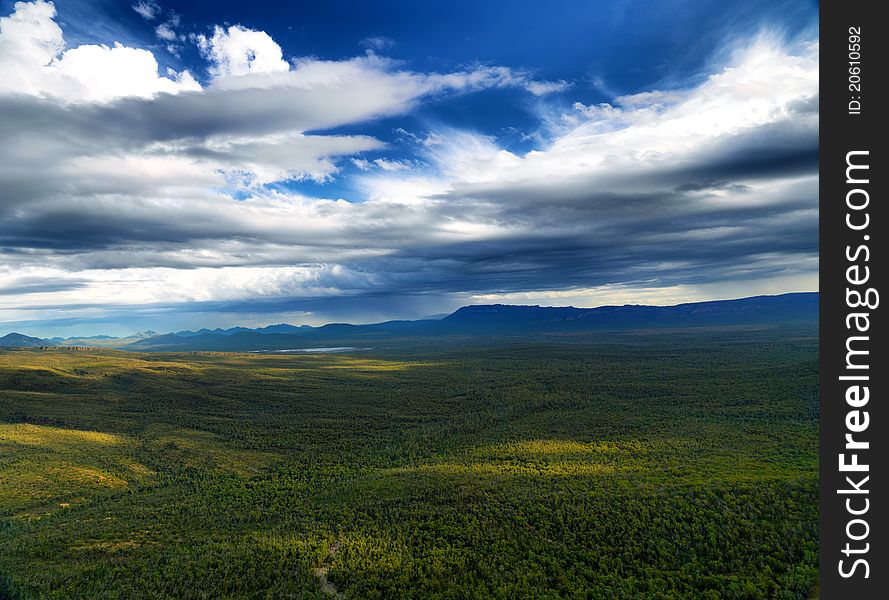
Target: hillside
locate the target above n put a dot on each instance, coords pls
(17, 340)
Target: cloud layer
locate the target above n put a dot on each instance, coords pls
(125, 189)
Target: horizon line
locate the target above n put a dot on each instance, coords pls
(424, 318)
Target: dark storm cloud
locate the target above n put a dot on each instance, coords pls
(561, 234)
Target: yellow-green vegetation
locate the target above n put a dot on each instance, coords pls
(631, 466)
(40, 464)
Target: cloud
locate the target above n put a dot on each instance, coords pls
(105, 73)
(382, 163)
(123, 188)
(34, 62)
(663, 295)
(542, 88)
(755, 103)
(147, 9)
(241, 131)
(716, 182)
(165, 32)
(240, 51)
(493, 77)
(377, 43)
(170, 285)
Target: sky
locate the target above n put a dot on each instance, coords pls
(178, 165)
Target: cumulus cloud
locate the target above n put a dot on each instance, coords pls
(124, 187)
(241, 51)
(34, 62)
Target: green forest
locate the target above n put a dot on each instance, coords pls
(664, 464)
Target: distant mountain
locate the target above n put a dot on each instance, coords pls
(508, 320)
(279, 328)
(501, 318)
(109, 341)
(143, 334)
(217, 331)
(18, 340)
(436, 317)
(254, 340)
(469, 321)
(282, 328)
(104, 341)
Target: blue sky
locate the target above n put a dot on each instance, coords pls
(179, 165)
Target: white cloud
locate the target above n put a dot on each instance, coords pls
(105, 73)
(29, 38)
(165, 32)
(465, 156)
(147, 9)
(763, 86)
(492, 77)
(241, 51)
(392, 165)
(283, 157)
(384, 164)
(542, 88)
(767, 84)
(161, 285)
(33, 61)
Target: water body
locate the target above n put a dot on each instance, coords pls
(330, 350)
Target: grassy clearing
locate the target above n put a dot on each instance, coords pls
(43, 468)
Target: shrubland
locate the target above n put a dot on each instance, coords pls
(634, 465)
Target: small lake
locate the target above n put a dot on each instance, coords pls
(329, 350)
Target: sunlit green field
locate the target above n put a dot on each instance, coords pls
(671, 465)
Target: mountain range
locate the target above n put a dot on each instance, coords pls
(279, 328)
(468, 321)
